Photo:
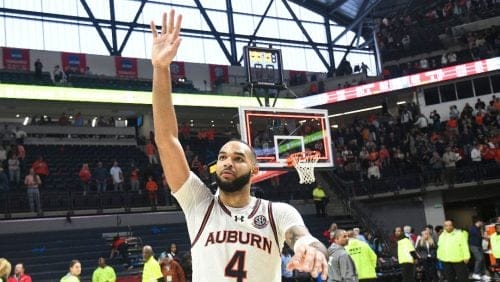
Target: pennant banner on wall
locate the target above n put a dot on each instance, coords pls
(73, 62)
(126, 67)
(218, 74)
(177, 70)
(297, 77)
(16, 59)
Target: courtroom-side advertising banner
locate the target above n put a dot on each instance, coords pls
(126, 67)
(16, 59)
(73, 62)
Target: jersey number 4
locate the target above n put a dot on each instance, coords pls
(236, 267)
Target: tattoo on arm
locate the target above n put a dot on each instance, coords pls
(294, 233)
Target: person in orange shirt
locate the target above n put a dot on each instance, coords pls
(41, 169)
(172, 271)
(151, 153)
(384, 156)
(152, 189)
(85, 176)
(452, 126)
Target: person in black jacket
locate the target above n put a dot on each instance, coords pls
(426, 251)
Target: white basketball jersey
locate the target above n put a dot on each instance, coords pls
(234, 244)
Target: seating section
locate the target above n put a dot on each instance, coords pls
(47, 257)
(65, 162)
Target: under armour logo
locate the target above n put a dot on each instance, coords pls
(240, 218)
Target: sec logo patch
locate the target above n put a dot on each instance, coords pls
(260, 222)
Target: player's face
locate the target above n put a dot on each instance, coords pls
(235, 167)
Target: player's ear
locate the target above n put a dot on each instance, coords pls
(255, 170)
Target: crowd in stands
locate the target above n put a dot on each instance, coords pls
(382, 145)
(409, 34)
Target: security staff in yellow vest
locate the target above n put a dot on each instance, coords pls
(364, 258)
(453, 251)
(319, 197)
(407, 257)
(495, 243)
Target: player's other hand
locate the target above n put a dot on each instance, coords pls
(309, 259)
(166, 43)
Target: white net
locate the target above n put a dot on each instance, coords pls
(304, 163)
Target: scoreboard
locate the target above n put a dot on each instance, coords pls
(264, 66)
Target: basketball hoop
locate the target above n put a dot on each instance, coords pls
(304, 163)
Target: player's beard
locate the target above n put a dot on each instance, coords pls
(235, 185)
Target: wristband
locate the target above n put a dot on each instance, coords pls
(304, 240)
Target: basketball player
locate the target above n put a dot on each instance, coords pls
(234, 237)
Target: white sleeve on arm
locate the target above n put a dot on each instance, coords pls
(192, 193)
(285, 216)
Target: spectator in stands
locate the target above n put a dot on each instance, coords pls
(5, 269)
(134, 179)
(4, 186)
(436, 121)
(393, 240)
(75, 269)
(151, 270)
(20, 134)
(437, 168)
(172, 251)
(340, 265)
(406, 258)
(364, 258)
(41, 168)
(476, 159)
(119, 245)
(330, 232)
(19, 274)
(38, 69)
(357, 234)
(453, 252)
(79, 121)
(58, 75)
(188, 153)
(196, 165)
(63, 120)
(426, 251)
(33, 184)
(3, 155)
(117, 177)
(100, 176)
(450, 159)
(476, 248)
(421, 123)
(151, 153)
(373, 171)
(21, 154)
(85, 177)
(172, 271)
(14, 170)
(319, 198)
(152, 188)
(104, 272)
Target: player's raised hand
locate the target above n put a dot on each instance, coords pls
(309, 259)
(166, 43)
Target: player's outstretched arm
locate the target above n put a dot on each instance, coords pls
(165, 45)
(310, 254)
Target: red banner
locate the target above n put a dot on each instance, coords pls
(126, 67)
(408, 81)
(16, 59)
(73, 62)
(177, 70)
(218, 74)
